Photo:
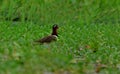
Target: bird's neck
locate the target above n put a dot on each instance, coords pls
(54, 32)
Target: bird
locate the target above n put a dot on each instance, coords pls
(50, 38)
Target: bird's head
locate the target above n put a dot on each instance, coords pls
(55, 26)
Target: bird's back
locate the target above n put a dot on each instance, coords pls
(48, 39)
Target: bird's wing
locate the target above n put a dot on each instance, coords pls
(47, 39)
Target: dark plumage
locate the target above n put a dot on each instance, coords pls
(50, 38)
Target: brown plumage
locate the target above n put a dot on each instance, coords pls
(50, 38)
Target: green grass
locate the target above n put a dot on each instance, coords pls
(89, 33)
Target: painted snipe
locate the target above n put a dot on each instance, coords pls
(50, 38)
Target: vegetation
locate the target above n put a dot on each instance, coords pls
(89, 36)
